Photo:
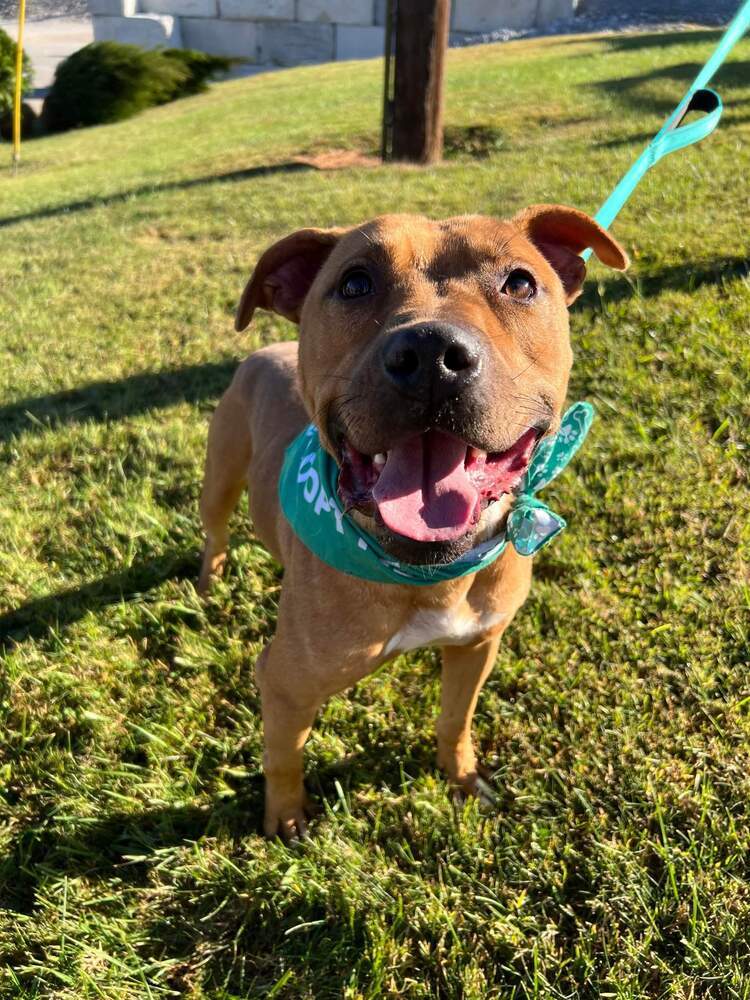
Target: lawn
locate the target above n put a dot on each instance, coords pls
(617, 719)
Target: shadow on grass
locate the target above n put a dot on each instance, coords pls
(223, 926)
(86, 204)
(679, 277)
(123, 849)
(385, 762)
(35, 618)
(112, 400)
(121, 841)
(127, 840)
(643, 138)
(629, 89)
(660, 40)
(652, 40)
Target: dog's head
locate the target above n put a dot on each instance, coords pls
(432, 358)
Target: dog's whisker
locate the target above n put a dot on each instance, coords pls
(328, 404)
(523, 371)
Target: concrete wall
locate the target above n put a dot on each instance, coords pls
(291, 32)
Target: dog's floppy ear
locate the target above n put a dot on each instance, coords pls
(284, 274)
(560, 234)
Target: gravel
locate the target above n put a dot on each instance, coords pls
(597, 16)
(660, 12)
(38, 10)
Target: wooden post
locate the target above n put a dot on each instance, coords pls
(421, 40)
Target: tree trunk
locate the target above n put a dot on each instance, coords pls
(421, 41)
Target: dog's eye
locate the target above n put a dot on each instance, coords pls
(519, 285)
(355, 284)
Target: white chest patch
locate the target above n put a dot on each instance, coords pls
(445, 627)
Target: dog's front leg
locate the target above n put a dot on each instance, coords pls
(465, 669)
(306, 662)
(289, 709)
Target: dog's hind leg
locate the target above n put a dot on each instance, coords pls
(227, 461)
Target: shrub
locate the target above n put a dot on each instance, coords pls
(108, 81)
(8, 71)
(199, 67)
(28, 122)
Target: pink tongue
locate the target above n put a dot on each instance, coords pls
(424, 491)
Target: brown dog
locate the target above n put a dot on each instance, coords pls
(418, 340)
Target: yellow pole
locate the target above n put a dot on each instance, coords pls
(17, 94)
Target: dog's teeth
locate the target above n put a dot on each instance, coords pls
(379, 460)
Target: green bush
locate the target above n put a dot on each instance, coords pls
(108, 82)
(199, 68)
(8, 71)
(28, 122)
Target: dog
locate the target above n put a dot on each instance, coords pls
(433, 356)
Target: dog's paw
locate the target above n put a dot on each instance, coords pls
(288, 820)
(477, 785)
(468, 777)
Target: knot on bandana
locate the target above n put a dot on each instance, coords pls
(308, 491)
(531, 524)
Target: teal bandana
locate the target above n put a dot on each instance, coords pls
(310, 501)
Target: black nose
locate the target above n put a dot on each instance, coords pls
(431, 359)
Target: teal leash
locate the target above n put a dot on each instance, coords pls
(673, 135)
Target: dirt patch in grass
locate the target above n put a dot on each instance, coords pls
(477, 141)
(338, 159)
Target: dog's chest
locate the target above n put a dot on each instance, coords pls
(457, 626)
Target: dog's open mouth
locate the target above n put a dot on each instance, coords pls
(432, 487)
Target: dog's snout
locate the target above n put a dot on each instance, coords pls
(434, 359)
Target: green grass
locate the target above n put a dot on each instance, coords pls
(618, 717)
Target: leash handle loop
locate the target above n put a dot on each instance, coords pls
(673, 135)
(669, 139)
